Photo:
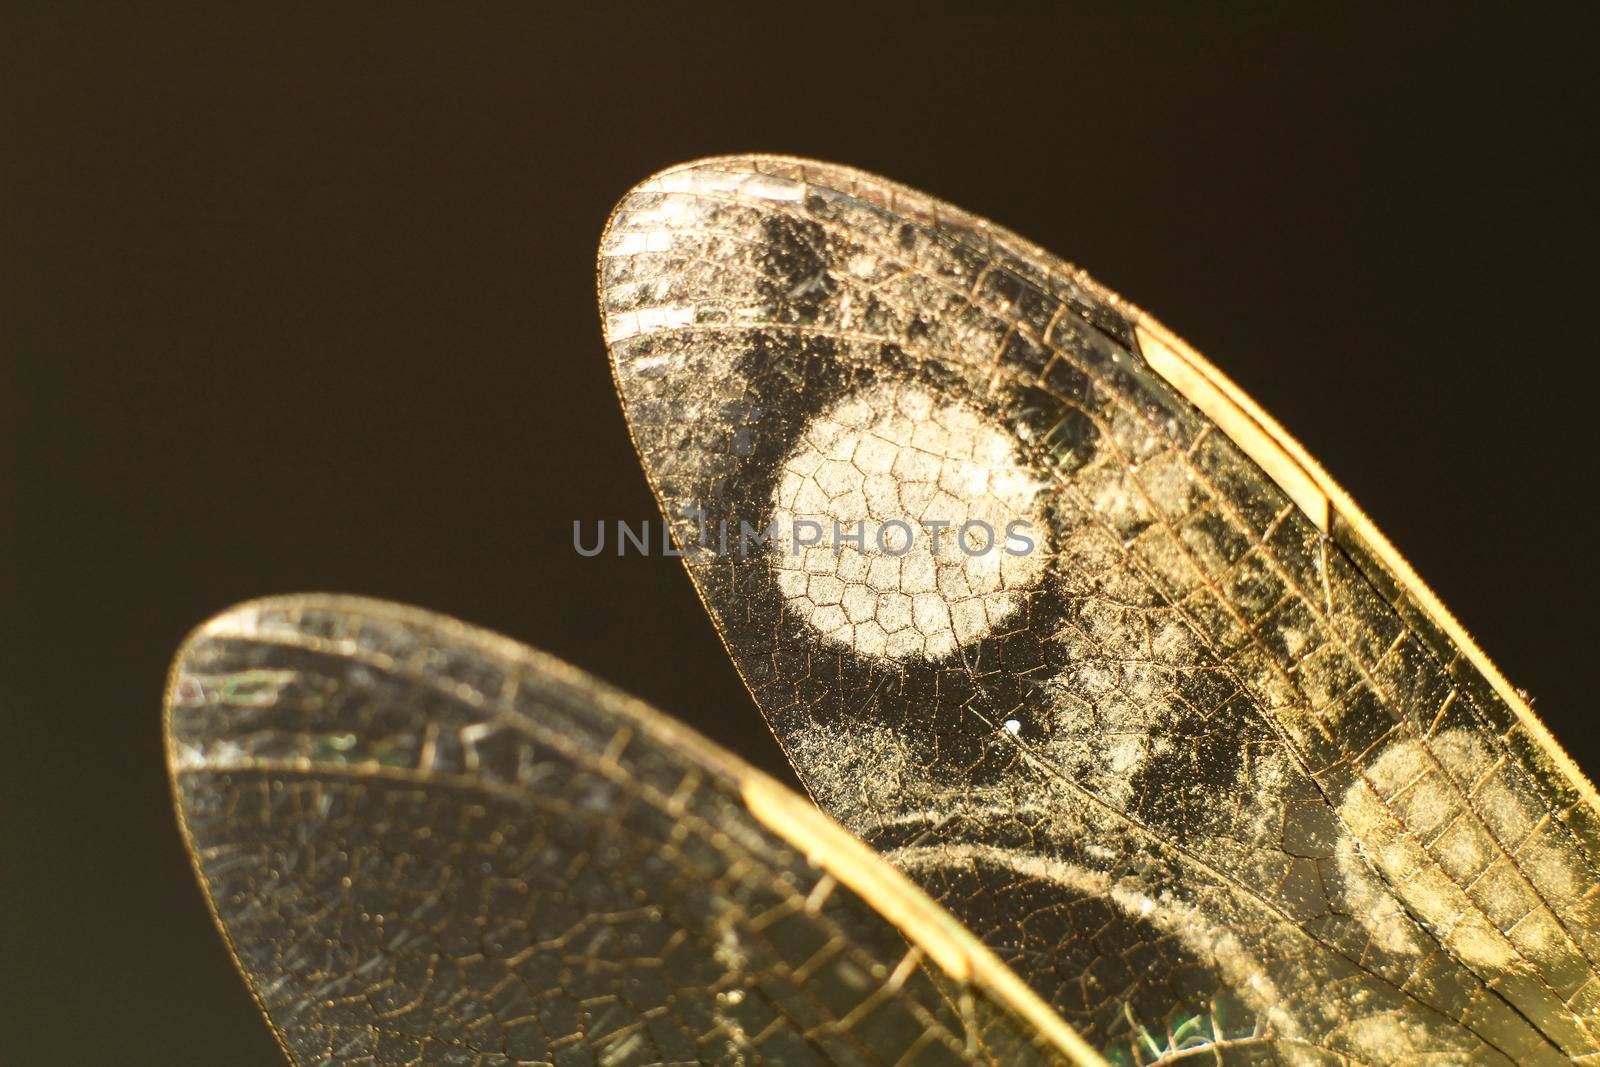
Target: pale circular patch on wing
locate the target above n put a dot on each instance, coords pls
(1407, 818)
(892, 457)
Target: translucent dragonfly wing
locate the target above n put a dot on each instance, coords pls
(429, 845)
(1196, 753)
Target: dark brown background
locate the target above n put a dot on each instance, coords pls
(298, 301)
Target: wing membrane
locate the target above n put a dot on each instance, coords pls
(1209, 767)
(428, 845)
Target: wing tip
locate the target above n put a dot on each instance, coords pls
(184, 735)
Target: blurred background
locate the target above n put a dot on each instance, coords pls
(303, 299)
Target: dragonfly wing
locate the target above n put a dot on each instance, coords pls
(429, 845)
(1196, 753)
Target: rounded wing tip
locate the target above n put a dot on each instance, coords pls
(185, 689)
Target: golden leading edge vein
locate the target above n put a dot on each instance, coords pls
(429, 845)
(1216, 774)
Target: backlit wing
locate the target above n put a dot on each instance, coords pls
(429, 845)
(1207, 764)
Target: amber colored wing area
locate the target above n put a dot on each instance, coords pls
(429, 845)
(1206, 765)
